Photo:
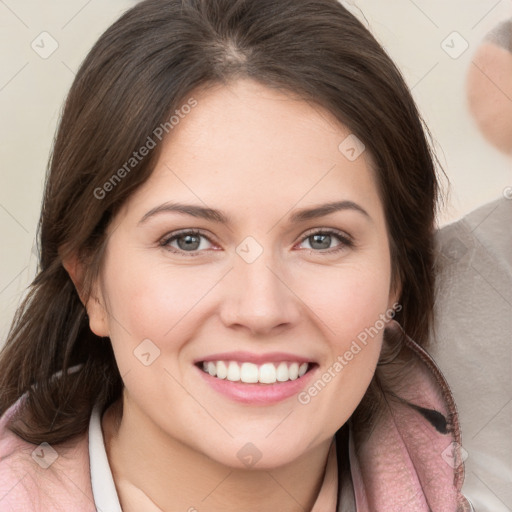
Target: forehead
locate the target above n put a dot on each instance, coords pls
(249, 145)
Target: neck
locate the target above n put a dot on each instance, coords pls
(155, 472)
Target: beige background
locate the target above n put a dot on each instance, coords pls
(32, 91)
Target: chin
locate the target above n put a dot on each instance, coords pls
(257, 455)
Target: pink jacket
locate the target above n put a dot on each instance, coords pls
(409, 459)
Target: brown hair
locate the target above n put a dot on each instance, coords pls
(144, 67)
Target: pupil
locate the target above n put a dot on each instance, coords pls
(190, 240)
(326, 238)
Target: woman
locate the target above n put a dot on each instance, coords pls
(186, 344)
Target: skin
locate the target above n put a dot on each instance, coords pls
(258, 155)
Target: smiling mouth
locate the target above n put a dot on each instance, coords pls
(250, 373)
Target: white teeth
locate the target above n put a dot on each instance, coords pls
(212, 370)
(267, 373)
(250, 373)
(233, 371)
(282, 372)
(294, 371)
(222, 370)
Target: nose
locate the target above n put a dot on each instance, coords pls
(258, 297)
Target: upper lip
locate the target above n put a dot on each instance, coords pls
(249, 357)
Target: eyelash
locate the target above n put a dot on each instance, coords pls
(346, 241)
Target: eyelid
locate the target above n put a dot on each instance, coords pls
(325, 230)
(346, 240)
(164, 241)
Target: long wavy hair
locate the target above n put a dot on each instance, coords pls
(140, 71)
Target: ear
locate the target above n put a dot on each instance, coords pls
(94, 304)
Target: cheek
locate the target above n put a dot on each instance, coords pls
(350, 304)
(347, 299)
(151, 300)
(151, 319)
(353, 329)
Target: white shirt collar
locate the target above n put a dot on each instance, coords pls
(104, 490)
(103, 487)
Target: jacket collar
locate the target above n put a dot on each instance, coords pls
(408, 456)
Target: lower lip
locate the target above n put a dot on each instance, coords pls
(255, 394)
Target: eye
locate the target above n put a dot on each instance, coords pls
(188, 241)
(320, 241)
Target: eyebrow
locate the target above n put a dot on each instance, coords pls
(222, 218)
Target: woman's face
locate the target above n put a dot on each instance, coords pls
(270, 278)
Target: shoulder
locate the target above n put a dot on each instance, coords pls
(43, 477)
(483, 234)
(471, 335)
